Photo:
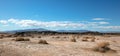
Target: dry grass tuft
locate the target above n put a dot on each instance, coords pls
(39, 36)
(21, 39)
(42, 42)
(26, 39)
(91, 39)
(73, 39)
(107, 36)
(1, 37)
(103, 47)
(57, 37)
(84, 39)
(32, 37)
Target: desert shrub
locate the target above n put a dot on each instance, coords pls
(42, 42)
(107, 36)
(26, 39)
(78, 36)
(15, 35)
(19, 39)
(92, 39)
(53, 37)
(57, 37)
(1, 37)
(64, 37)
(103, 44)
(22, 39)
(9, 36)
(84, 39)
(39, 36)
(102, 47)
(73, 40)
(32, 36)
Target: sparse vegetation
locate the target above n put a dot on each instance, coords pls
(102, 47)
(91, 39)
(39, 36)
(84, 39)
(57, 37)
(1, 37)
(26, 39)
(107, 36)
(72, 39)
(32, 36)
(42, 42)
(22, 39)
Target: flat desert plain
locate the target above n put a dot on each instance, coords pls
(61, 45)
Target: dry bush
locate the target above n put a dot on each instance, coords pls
(26, 39)
(57, 37)
(42, 42)
(19, 39)
(39, 36)
(107, 36)
(8, 35)
(84, 39)
(32, 36)
(103, 47)
(64, 37)
(53, 37)
(1, 37)
(78, 36)
(73, 40)
(22, 39)
(91, 39)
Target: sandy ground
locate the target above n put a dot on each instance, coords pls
(57, 47)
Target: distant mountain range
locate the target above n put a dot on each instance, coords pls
(42, 29)
(25, 30)
(73, 31)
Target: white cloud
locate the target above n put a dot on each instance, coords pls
(103, 22)
(30, 23)
(58, 24)
(109, 27)
(3, 22)
(99, 19)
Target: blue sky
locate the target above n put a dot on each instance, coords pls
(97, 15)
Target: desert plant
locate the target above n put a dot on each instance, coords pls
(19, 39)
(1, 37)
(64, 37)
(107, 36)
(39, 36)
(57, 37)
(26, 39)
(22, 39)
(92, 39)
(73, 40)
(84, 39)
(42, 42)
(32, 36)
(102, 47)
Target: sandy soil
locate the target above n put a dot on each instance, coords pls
(57, 47)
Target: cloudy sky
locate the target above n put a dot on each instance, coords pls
(97, 15)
